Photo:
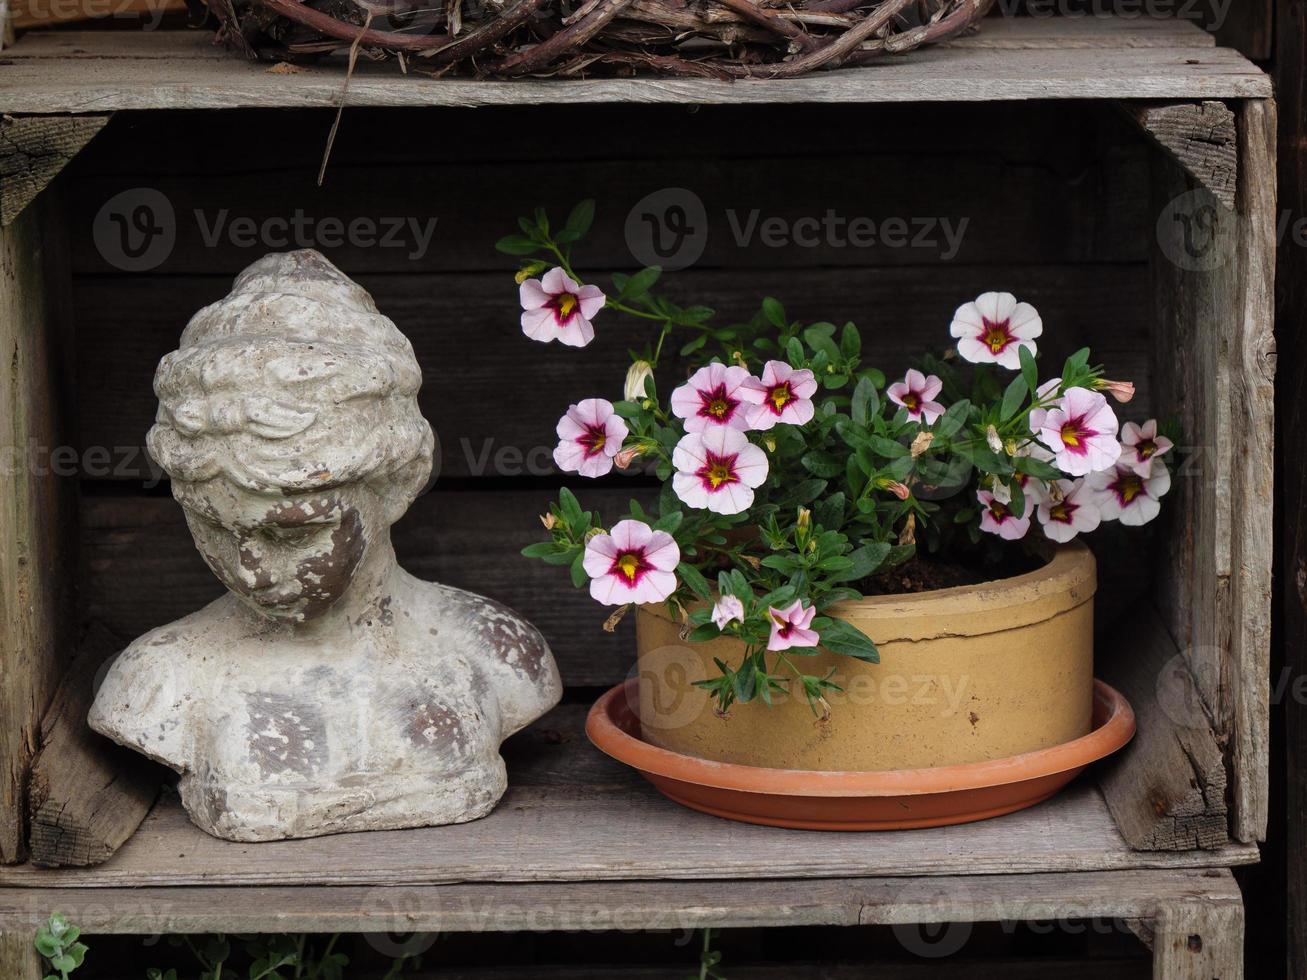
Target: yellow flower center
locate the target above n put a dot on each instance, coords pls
(1059, 512)
(718, 407)
(628, 565)
(996, 336)
(1070, 435)
(781, 396)
(566, 304)
(719, 473)
(1129, 487)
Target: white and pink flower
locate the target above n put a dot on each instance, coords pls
(917, 393)
(713, 396)
(1067, 510)
(718, 469)
(728, 609)
(1141, 445)
(557, 308)
(994, 328)
(632, 563)
(590, 435)
(1126, 496)
(791, 626)
(784, 394)
(996, 517)
(1081, 431)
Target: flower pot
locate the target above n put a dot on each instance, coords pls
(966, 675)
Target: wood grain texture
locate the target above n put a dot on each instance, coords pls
(1252, 405)
(174, 78)
(18, 957)
(1199, 940)
(87, 795)
(1200, 136)
(36, 507)
(1166, 789)
(573, 814)
(604, 906)
(33, 151)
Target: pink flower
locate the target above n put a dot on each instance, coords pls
(783, 395)
(1140, 445)
(591, 435)
(728, 609)
(712, 396)
(556, 308)
(718, 469)
(1081, 431)
(789, 627)
(1124, 495)
(997, 518)
(1122, 391)
(1042, 394)
(917, 393)
(1074, 512)
(634, 563)
(994, 328)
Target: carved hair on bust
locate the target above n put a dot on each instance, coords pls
(335, 395)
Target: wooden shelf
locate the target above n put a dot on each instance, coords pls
(573, 815)
(1044, 58)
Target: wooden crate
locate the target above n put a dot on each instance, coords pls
(1080, 150)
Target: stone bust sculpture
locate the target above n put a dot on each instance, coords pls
(328, 690)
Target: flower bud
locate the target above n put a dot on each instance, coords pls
(549, 521)
(627, 456)
(899, 490)
(529, 271)
(636, 374)
(1122, 391)
(804, 520)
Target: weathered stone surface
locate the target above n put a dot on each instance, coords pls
(329, 690)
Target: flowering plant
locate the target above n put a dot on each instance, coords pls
(793, 476)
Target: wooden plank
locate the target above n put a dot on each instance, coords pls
(1199, 940)
(121, 340)
(87, 795)
(33, 151)
(104, 81)
(1200, 136)
(36, 507)
(573, 814)
(142, 569)
(1166, 789)
(1252, 406)
(18, 957)
(595, 907)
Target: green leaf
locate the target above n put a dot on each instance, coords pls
(887, 448)
(569, 507)
(840, 637)
(516, 245)
(640, 283)
(694, 580)
(579, 575)
(775, 313)
(540, 549)
(1013, 397)
(1029, 370)
(669, 522)
(864, 402)
(1037, 468)
(864, 561)
(954, 418)
(850, 342)
(794, 352)
(581, 218)
(628, 410)
(822, 464)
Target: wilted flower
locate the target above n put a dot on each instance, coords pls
(728, 609)
(718, 469)
(790, 627)
(1069, 509)
(917, 393)
(784, 394)
(591, 434)
(1081, 431)
(557, 308)
(633, 563)
(714, 396)
(993, 328)
(1123, 495)
(1140, 445)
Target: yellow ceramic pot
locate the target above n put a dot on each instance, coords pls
(966, 674)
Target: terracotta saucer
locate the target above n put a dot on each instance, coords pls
(886, 800)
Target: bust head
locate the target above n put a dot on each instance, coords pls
(288, 423)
